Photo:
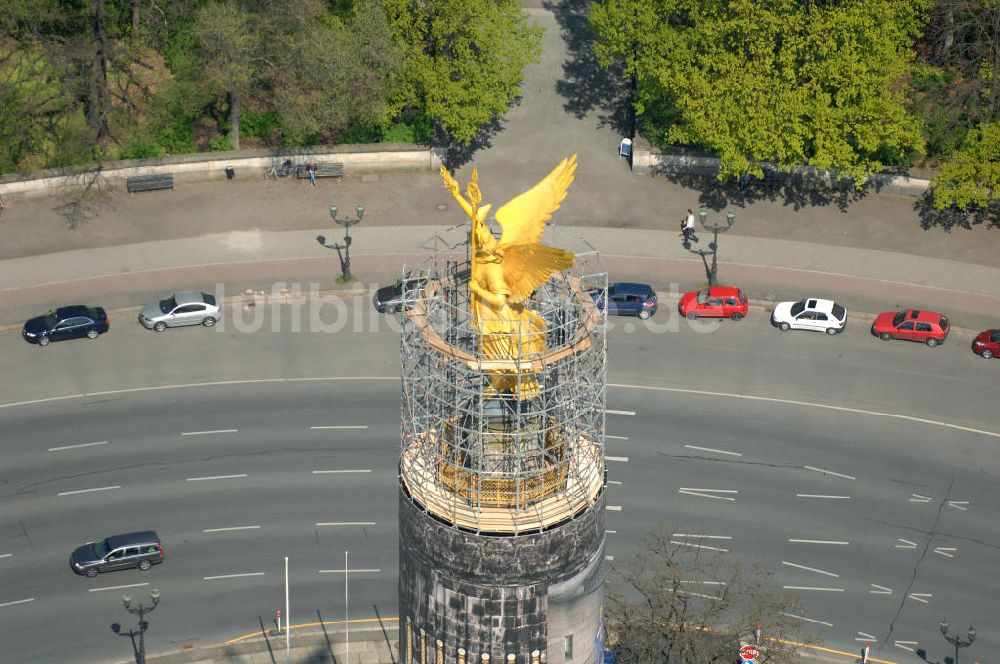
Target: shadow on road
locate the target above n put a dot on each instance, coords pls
(950, 218)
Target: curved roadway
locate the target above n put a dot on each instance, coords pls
(240, 448)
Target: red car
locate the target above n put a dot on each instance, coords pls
(912, 325)
(987, 344)
(715, 302)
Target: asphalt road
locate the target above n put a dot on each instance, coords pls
(754, 436)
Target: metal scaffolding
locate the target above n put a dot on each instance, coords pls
(502, 446)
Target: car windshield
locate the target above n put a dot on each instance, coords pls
(51, 319)
(702, 296)
(167, 305)
(611, 290)
(101, 548)
(944, 323)
(995, 335)
(898, 318)
(839, 312)
(208, 298)
(798, 307)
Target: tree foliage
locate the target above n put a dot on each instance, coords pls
(673, 603)
(787, 82)
(970, 180)
(464, 59)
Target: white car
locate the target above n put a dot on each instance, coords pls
(811, 313)
(185, 308)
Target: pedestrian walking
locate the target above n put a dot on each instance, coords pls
(311, 170)
(687, 227)
(2, 207)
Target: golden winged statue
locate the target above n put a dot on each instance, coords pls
(506, 272)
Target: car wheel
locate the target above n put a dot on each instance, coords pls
(644, 314)
(785, 327)
(932, 342)
(144, 565)
(692, 315)
(43, 341)
(885, 336)
(91, 333)
(91, 572)
(831, 330)
(208, 322)
(391, 310)
(987, 353)
(736, 316)
(160, 327)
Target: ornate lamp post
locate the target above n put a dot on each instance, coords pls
(345, 255)
(141, 611)
(712, 271)
(958, 640)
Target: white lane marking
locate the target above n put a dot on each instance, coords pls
(958, 504)
(609, 558)
(920, 597)
(694, 594)
(131, 585)
(338, 472)
(341, 426)
(608, 411)
(699, 546)
(608, 435)
(205, 433)
(615, 482)
(74, 447)
(6, 555)
(616, 458)
(917, 498)
(693, 492)
(818, 622)
(810, 569)
(816, 588)
(820, 495)
(610, 532)
(880, 590)
(223, 530)
(945, 551)
(614, 508)
(811, 541)
(100, 488)
(809, 404)
(232, 576)
(906, 544)
(829, 472)
(690, 488)
(722, 537)
(352, 571)
(215, 477)
(709, 449)
(177, 386)
(20, 601)
(865, 637)
(905, 645)
(346, 523)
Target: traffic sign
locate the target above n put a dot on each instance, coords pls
(748, 652)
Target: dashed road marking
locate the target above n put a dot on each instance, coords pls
(130, 585)
(615, 482)
(829, 472)
(610, 532)
(880, 590)
(6, 555)
(810, 620)
(699, 546)
(619, 459)
(863, 636)
(920, 597)
(959, 504)
(338, 472)
(820, 495)
(215, 477)
(339, 426)
(810, 569)
(946, 551)
(100, 488)
(609, 558)
(812, 541)
(609, 436)
(721, 537)
(345, 523)
(608, 411)
(74, 447)
(223, 530)
(614, 508)
(232, 576)
(207, 433)
(816, 588)
(714, 451)
(707, 493)
(917, 498)
(905, 544)
(351, 571)
(905, 645)
(19, 601)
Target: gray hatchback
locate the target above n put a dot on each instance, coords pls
(142, 550)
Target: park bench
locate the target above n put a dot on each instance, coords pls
(150, 182)
(322, 171)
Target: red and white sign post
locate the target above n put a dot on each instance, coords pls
(864, 653)
(748, 652)
(279, 621)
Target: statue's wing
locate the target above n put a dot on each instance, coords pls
(528, 266)
(523, 217)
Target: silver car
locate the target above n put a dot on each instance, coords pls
(186, 308)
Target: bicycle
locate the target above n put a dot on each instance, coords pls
(276, 171)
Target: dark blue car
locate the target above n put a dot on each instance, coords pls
(66, 323)
(628, 299)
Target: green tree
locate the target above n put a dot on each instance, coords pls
(787, 82)
(463, 60)
(970, 179)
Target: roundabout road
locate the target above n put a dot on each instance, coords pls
(779, 446)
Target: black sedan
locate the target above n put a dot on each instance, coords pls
(66, 323)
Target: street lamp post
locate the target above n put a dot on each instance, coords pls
(344, 250)
(142, 610)
(958, 640)
(712, 272)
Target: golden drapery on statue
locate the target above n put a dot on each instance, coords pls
(506, 273)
